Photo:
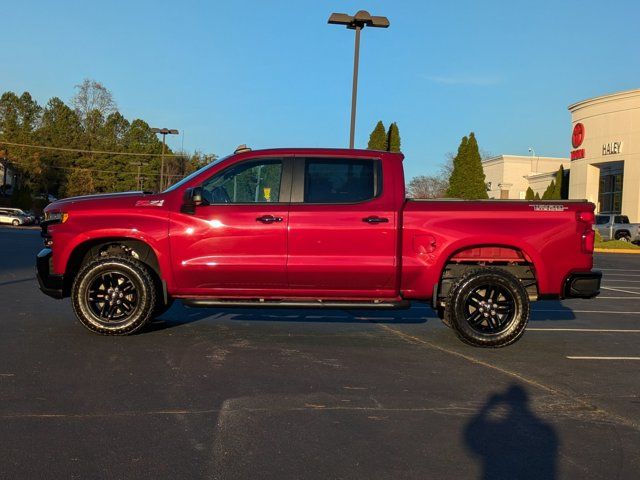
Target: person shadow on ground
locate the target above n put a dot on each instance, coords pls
(510, 440)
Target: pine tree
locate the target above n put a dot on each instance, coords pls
(550, 191)
(378, 139)
(562, 191)
(456, 180)
(393, 138)
(80, 182)
(537, 197)
(529, 195)
(467, 178)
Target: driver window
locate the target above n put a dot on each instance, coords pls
(256, 181)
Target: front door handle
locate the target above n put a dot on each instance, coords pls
(268, 219)
(374, 219)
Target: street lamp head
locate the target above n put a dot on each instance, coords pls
(165, 131)
(360, 19)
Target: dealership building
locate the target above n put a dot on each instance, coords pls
(605, 158)
(604, 162)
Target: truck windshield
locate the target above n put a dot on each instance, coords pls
(195, 174)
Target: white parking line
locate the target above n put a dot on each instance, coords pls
(618, 290)
(616, 298)
(587, 330)
(618, 270)
(613, 312)
(603, 358)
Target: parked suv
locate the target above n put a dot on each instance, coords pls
(617, 227)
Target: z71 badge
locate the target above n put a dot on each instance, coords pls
(149, 203)
(549, 208)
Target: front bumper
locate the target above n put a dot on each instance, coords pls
(582, 285)
(50, 284)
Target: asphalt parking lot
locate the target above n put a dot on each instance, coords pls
(317, 394)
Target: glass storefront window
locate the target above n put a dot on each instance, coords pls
(610, 194)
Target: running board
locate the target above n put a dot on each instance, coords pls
(258, 302)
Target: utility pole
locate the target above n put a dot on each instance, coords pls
(357, 23)
(164, 132)
(138, 176)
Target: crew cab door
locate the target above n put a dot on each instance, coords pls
(342, 229)
(236, 241)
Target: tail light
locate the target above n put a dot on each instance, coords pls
(589, 235)
(587, 217)
(588, 241)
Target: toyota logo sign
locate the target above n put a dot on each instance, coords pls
(578, 135)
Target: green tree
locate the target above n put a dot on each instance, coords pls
(467, 177)
(562, 185)
(529, 195)
(550, 191)
(537, 197)
(60, 127)
(80, 182)
(378, 139)
(393, 138)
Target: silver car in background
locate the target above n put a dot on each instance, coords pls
(617, 227)
(12, 218)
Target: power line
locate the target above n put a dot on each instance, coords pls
(118, 172)
(78, 150)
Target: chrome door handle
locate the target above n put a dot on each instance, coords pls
(268, 219)
(374, 219)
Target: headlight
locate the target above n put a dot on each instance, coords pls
(55, 217)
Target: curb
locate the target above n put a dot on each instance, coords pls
(617, 250)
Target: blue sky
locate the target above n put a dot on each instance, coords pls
(273, 73)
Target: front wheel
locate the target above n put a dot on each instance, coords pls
(488, 307)
(16, 223)
(114, 295)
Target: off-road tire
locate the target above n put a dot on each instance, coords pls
(120, 266)
(460, 301)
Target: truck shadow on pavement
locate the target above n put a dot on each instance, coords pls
(420, 313)
(510, 440)
(179, 315)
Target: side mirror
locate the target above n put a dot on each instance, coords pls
(192, 198)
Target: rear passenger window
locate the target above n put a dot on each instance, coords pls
(341, 180)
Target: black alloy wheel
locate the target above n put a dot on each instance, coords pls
(114, 295)
(488, 307)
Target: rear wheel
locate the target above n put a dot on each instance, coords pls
(623, 236)
(488, 307)
(114, 295)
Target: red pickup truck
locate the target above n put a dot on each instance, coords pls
(314, 228)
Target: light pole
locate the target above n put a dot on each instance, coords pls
(533, 154)
(357, 23)
(164, 132)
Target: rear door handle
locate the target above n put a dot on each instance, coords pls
(268, 219)
(374, 219)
